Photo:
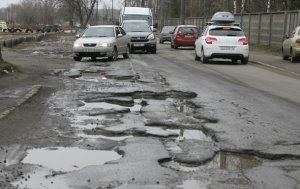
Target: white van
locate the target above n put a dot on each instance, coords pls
(137, 13)
(3, 26)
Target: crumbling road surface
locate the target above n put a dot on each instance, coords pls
(159, 121)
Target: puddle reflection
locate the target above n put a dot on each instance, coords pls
(223, 161)
(68, 159)
(190, 134)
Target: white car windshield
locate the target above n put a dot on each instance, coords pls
(99, 32)
(137, 27)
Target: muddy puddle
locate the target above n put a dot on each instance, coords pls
(222, 161)
(68, 159)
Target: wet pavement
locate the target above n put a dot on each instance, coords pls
(133, 125)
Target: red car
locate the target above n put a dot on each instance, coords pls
(184, 35)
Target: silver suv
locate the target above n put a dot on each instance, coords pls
(142, 36)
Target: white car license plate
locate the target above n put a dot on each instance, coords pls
(138, 45)
(227, 48)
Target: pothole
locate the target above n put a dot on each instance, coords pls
(184, 134)
(108, 106)
(68, 159)
(114, 138)
(222, 161)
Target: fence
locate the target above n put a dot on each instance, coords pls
(261, 28)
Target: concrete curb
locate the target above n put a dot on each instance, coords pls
(34, 90)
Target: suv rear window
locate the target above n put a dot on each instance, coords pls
(185, 30)
(226, 31)
(167, 29)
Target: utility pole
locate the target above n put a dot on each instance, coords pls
(97, 12)
(112, 11)
(182, 12)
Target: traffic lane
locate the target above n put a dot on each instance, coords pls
(284, 86)
(276, 63)
(255, 106)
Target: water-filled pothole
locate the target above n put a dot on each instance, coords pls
(68, 159)
(108, 106)
(223, 161)
(190, 134)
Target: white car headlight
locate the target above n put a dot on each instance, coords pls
(151, 37)
(103, 44)
(76, 44)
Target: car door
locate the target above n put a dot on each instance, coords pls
(200, 40)
(122, 42)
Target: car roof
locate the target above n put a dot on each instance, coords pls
(145, 21)
(103, 26)
(186, 26)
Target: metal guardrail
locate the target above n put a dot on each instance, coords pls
(261, 28)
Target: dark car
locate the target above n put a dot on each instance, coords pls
(165, 34)
(141, 34)
(184, 35)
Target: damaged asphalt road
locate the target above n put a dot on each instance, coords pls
(152, 121)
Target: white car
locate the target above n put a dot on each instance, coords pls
(102, 41)
(227, 42)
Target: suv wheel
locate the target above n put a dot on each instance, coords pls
(197, 58)
(153, 50)
(204, 59)
(245, 60)
(77, 58)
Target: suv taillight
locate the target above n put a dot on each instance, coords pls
(298, 41)
(210, 40)
(244, 40)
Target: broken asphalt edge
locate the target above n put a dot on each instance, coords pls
(34, 90)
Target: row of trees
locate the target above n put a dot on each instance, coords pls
(52, 11)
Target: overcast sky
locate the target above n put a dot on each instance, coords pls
(5, 3)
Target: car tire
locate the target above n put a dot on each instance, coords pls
(153, 50)
(175, 46)
(245, 60)
(172, 46)
(197, 58)
(126, 54)
(161, 42)
(114, 55)
(77, 58)
(204, 59)
(284, 57)
(293, 57)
